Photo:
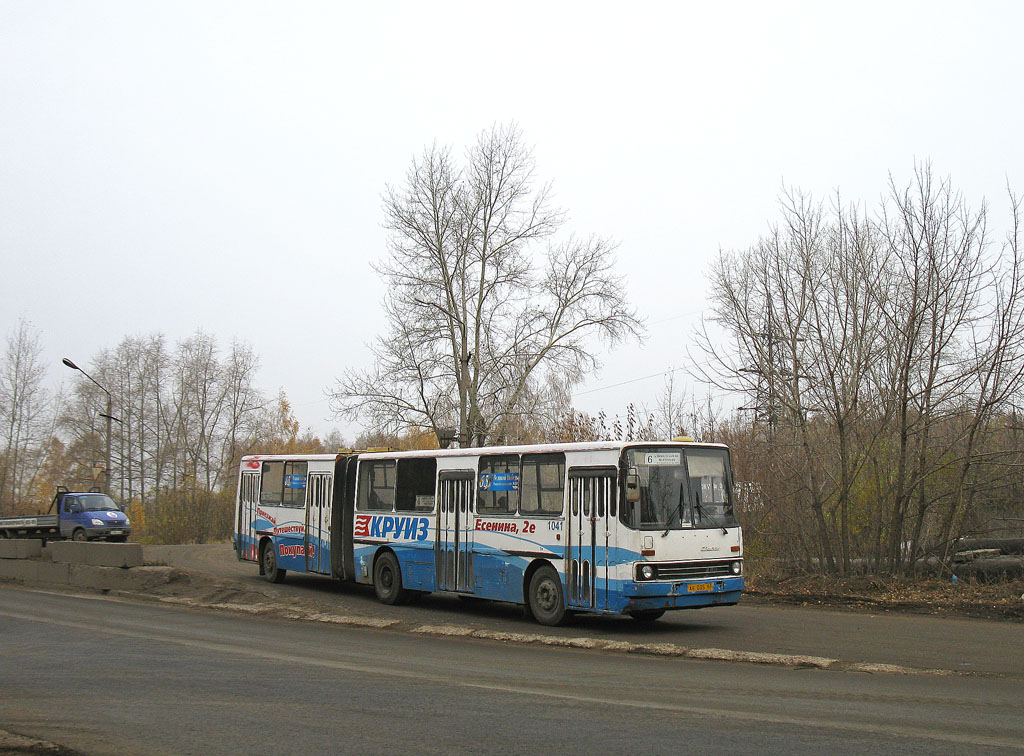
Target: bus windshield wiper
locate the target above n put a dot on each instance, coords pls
(676, 513)
(700, 514)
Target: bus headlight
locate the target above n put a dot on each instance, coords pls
(646, 572)
(737, 568)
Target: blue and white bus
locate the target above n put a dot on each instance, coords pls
(633, 528)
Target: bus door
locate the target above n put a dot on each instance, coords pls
(318, 522)
(591, 536)
(453, 555)
(248, 498)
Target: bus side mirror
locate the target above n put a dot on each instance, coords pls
(632, 487)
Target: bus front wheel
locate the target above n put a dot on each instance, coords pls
(271, 571)
(387, 580)
(547, 601)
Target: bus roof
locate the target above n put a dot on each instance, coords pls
(292, 457)
(480, 450)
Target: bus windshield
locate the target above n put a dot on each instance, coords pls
(679, 489)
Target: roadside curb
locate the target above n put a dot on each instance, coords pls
(146, 578)
(794, 661)
(18, 745)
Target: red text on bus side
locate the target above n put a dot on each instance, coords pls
(497, 527)
(297, 550)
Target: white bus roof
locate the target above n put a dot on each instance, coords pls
(292, 457)
(480, 450)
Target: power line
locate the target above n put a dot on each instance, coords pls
(642, 378)
(677, 317)
(623, 383)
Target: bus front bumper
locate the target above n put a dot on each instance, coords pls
(687, 594)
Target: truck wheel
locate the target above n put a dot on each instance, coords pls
(387, 580)
(547, 601)
(79, 535)
(271, 571)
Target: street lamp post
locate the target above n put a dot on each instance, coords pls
(109, 416)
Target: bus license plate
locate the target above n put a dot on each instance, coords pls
(700, 587)
(116, 532)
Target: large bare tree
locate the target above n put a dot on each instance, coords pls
(884, 357)
(484, 305)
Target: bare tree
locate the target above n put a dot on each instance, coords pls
(883, 358)
(766, 298)
(25, 413)
(183, 416)
(474, 330)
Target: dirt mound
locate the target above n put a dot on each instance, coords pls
(1003, 600)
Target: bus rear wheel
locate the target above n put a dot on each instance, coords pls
(271, 571)
(547, 602)
(387, 580)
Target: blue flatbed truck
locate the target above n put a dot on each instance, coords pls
(75, 515)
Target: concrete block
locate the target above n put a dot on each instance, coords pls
(52, 572)
(114, 554)
(20, 548)
(67, 551)
(20, 569)
(105, 578)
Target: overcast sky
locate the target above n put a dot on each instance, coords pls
(168, 166)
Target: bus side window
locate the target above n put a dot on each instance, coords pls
(294, 484)
(498, 485)
(542, 484)
(376, 485)
(272, 483)
(416, 480)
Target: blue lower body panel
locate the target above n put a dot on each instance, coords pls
(646, 596)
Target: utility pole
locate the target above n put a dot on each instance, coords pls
(109, 416)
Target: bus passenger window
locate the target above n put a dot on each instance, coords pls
(542, 484)
(294, 494)
(272, 483)
(416, 480)
(498, 485)
(376, 485)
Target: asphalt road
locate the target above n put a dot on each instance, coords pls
(113, 677)
(921, 641)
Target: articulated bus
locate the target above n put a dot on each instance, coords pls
(634, 528)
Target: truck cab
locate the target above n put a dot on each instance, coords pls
(89, 516)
